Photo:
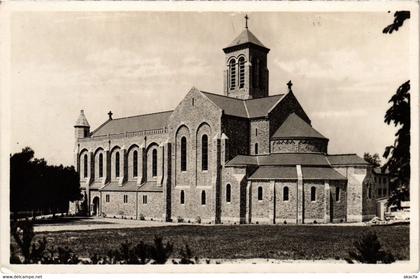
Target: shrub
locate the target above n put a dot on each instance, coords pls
(159, 252)
(180, 219)
(369, 251)
(198, 219)
(141, 217)
(186, 256)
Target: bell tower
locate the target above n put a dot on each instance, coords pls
(246, 73)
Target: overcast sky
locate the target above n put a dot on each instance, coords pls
(343, 68)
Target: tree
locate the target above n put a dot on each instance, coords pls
(37, 186)
(398, 154)
(374, 159)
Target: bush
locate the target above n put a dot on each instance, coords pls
(186, 256)
(141, 217)
(369, 251)
(198, 219)
(179, 219)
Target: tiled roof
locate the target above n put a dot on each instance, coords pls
(296, 127)
(245, 37)
(346, 159)
(321, 173)
(252, 108)
(280, 159)
(150, 186)
(95, 185)
(129, 186)
(82, 121)
(274, 172)
(134, 123)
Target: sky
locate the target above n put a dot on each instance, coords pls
(343, 69)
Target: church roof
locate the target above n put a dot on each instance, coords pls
(134, 123)
(296, 127)
(82, 121)
(246, 37)
(288, 172)
(252, 108)
(280, 159)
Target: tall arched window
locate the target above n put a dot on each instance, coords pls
(261, 75)
(154, 162)
(313, 193)
(101, 165)
(135, 163)
(204, 152)
(203, 197)
(182, 197)
(232, 71)
(183, 154)
(256, 73)
(228, 193)
(260, 193)
(256, 149)
(117, 164)
(337, 194)
(241, 63)
(286, 193)
(85, 166)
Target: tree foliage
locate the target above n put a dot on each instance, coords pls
(399, 18)
(37, 186)
(398, 154)
(369, 250)
(374, 159)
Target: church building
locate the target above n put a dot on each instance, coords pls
(244, 156)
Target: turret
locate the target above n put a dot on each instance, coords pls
(82, 127)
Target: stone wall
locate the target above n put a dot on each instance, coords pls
(338, 208)
(298, 145)
(116, 206)
(237, 130)
(260, 209)
(314, 210)
(260, 134)
(153, 209)
(233, 211)
(195, 116)
(286, 210)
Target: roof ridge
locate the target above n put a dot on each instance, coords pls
(132, 116)
(246, 108)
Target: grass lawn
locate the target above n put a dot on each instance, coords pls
(242, 241)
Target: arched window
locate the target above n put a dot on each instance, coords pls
(369, 192)
(256, 149)
(313, 193)
(261, 75)
(203, 197)
(85, 166)
(101, 165)
(135, 163)
(260, 193)
(183, 154)
(117, 164)
(232, 71)
(204, 153)
(286, 193)
(337, 194)
(241, 63)
(154, 162)
(182, 197)
(228, 193)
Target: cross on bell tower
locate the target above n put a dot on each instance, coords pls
(246, 21)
